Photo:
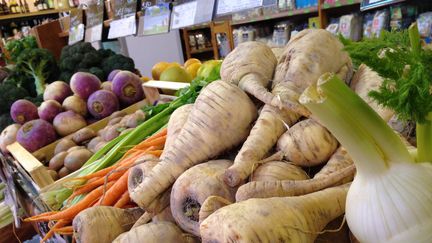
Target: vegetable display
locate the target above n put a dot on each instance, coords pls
(257, 148)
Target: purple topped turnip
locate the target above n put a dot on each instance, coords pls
(49, 109)
(107, 85)
(57, 91)
(112, 74)
(23, 111)
(102, 103)
(127, 87)
(68, 122)
(84, 84)
(36, 134)
(75, 104)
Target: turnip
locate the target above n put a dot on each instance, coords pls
(8, 136)
(214, 125)
(75, 104)
(84, 84)
(288, 219)
(107, 85)
(127, 87)
(112, 74)
(23, 111)
(49, 109)
(102, 103)
(57, 91)
(68, 122)
(36, 134)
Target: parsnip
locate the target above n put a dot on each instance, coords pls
(250, 66)
(176, 122)
(220, 120)
(338, 161)
(289, 219)
(154, 233)
(164, 216)
(271, 124)
(90, 225)
(307, 143)
(210, 205)
(286, 188)
(366, 80)
(278, 170)
(193, 187)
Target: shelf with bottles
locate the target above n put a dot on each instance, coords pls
(14, 9)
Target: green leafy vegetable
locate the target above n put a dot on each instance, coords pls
(15, 47)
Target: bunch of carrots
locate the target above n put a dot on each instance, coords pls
(106, 187)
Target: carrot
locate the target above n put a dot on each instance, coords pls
(51, 232)
(156, 153)
(68, 230)
(123, 201)
(94, 184)
(125, 162)
(155, 142)
(209, 130)
(116, 191)
(71, 212)
(298, 219)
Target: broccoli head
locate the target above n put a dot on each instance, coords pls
(39, 64)
(98, 72)
(5, 120)
(106, 53)
(9, 94)
(118, 62)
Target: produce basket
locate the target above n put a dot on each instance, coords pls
(33, 163)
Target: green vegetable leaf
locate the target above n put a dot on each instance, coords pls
(407, 75)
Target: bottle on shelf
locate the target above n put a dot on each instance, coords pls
(44, 5)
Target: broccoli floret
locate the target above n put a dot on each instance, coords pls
(9, 94)
(5, 120)
(118, 62)
(106, 53)
(98, 72)
(40, 64)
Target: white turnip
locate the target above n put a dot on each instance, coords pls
(36, 134)
(57, 91)
(23, 111)
(84, 84)
(102, 103)
(68, 122)
(8, 136)
(49, 109)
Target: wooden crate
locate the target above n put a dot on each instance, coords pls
(35, 167)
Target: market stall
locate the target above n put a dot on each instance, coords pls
(284, 121)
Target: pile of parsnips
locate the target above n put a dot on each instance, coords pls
(269, 192)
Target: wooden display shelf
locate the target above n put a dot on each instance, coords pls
(283, 14)
(340, 3)
(197, 51)
(38, 13)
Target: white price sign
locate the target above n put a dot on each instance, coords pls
(76, 34)
(94, 33)
(230, 6)
(122, 27)
(183, 15)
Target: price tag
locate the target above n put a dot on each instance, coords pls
(76, 29)
(183, 15)
(94, 33)
(229, 6)
(94, 21)
(122, 27)
(204, 11)
(156, 20)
